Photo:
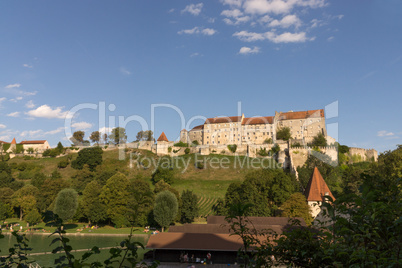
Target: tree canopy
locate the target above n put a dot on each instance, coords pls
(189, 206)
(283, 133)
(165, 209)
(78, 137)
(118, 135)
(66, 204)
(88, 156)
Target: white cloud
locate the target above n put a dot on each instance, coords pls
(236, 15)
(233, 13)
(198, 30)
(384, 133)
(46, 111)
(14, 114)
(208, 31)
(2, 126)
(125, 71)
(13, 85)
(171, 10)
(195, 54)
(52, 132)
(30, 104)
(236, 3)
(286, 22)
(194, 9)
(82, 125)
(278, 6)
(330, 38)
(32, 133)
(286, 37)
(5, 137)
(105, 130)
(248, 50)
(27, 65)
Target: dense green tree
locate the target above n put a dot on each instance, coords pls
(25, 199)
(296, 206)
(189, 206)
(81, 178)
(283, 133)
(165, 174)
(6, 211)
(95, 137)
(146, 135)
(60, 148)
(88, 156)
(48, 192)
(319, 140)
(140, 202)
(114, 196)
(105, 138)
(5, 175)
(118, 135)
(33, 217)
(266, 189)
(78, 137)
(6, 194)
(66, 204)
(219, 207)
(92, 207)
(165, 209)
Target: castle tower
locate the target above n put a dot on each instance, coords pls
(162, 145)
(13, 146)
(317, 192)
(184, 135)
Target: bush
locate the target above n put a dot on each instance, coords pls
(187, 151)
(63, 164)
(268, 141)
(283, 134)
(19, 148)
(169, 149)
(275, 149)
(199, 165)
(89, 156)
(181, 144)
(165, 174)
(51, 152)
(6, 147)
(33, 217)
(195, 143)
(263, 152)
(232, 147)
(296, 144)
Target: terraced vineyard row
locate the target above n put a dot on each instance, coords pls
(205, 204)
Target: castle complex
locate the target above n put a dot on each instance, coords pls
(303, 125)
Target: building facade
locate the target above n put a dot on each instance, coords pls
(303, 125)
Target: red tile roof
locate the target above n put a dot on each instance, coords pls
(14, 141)
(200, 127)
(225, 119)
(4, 142)
(33, 142)
(162, 137)
(258, 120)
(317, 189)
(301, 115)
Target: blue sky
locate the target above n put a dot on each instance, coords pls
(202, 57)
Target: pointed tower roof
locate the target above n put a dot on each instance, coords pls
(317, 189)
(162, 137)
(14, 141)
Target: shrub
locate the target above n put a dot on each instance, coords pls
(51, 152)
(63, 164)
(181, 144)
(223, 152)
(187, 151)
(33, 217)
(19, 148)
(232, 147)
(90, 156)
(176, 151)
(268, 141)
(6, 146)
(195, 143)
(199, 165)
(263, 152)
(283, 134)
(275, 149)
(296, 144)
(170, 149)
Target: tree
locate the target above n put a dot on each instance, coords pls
(189, 206)
(59, 148)
(319, 140)
(48, 192)
(77, 138)
(88, 156)
(6, 211)
(25, 199)
(33, 217)
(296, 206)
(105, 138)
(92, 207)
(114, 196)
(165, 209)
(66, 204)
(140, 202)
(146, 135)
(283, 134)
(95, 137)
(266, 189)
(118, 135)
(165, 174)
(6, 194)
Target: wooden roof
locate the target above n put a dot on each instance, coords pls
(225, 119)
(258, 120)
(317, 189)
(33, 142)
(301, 115)
(162, 137)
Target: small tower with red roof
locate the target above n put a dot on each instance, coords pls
(317, 192)
(162, 145)
(13, 146)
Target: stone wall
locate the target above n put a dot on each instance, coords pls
(365, 154)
